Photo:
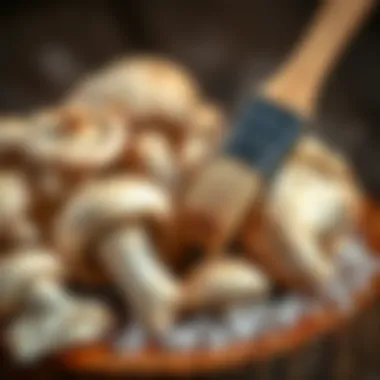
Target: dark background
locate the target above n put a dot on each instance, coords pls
(47, 46)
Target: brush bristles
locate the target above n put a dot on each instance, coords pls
(222, 192)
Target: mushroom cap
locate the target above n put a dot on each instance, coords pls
(35, 334)
(13, 131)
(76, 138)
(103, 204)
(20, 269)
(147, 86)
(224, 281)
(14, 196)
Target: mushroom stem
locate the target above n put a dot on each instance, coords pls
(308, 256)
(157, 158)
(47, 294)
(131, 260)
(53, 320)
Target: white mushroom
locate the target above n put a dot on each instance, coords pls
(76, 138)
(118, 212)
(19, 270)
(12, 134)
(70, 142)
(225, 281)
(52, 318)
(146, 86)
(155, 156)
(15, 202)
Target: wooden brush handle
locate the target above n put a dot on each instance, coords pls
(298, 82)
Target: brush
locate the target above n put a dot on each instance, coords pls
(267, 129)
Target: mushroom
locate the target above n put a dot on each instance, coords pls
(145, 86)
(224, 281)
(175, 129)
(12, 136)
(160, 97)
(309, 214)
(15, 202)
(205, 135)
(174, 161)
(67, 145)
(52, 319)
(110, 219)
(18, 270)
(154, 156)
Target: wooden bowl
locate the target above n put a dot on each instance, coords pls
(102, 359)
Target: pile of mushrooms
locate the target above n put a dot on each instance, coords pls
(90, 193)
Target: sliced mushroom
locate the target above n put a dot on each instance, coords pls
(311, 211)
(117, 212)
(52, 318)
(224, 282)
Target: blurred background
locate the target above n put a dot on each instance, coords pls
(46, 47)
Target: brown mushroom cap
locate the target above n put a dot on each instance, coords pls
(105, 204)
